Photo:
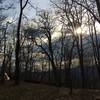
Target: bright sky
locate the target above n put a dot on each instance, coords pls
(29, 11)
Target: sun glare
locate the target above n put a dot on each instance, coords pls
(82, 30)
(57, 32)
(97, 25)
(78, 30)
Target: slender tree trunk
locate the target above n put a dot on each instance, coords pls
(17, 52)
(52, 61)
(49, 78)
(68, 70)
(98, 6)
(80, 54)
(4, 59)
(81, 62)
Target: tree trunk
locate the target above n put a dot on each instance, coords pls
(17, 52)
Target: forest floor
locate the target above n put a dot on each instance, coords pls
(28, 91)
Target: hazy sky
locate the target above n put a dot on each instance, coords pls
(29, 11)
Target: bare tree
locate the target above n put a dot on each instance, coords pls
(89, 6)
(93, 7)
(46, 27)
(17, 51)
(4, 60)
(73, 16)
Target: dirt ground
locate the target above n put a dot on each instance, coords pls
(28, 91)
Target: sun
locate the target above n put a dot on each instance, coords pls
(82, 30)
(78, 30)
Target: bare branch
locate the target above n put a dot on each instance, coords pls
(88, 10)
(1, 8)
(25, 4)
